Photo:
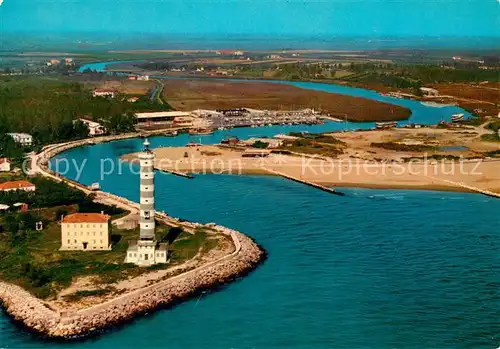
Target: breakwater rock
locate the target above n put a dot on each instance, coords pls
(36, 316)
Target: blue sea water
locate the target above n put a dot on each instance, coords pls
(375, 269)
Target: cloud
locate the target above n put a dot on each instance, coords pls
(1, 2)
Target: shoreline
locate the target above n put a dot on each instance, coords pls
(38, 317)
(230, 162)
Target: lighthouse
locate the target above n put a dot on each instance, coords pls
(147, 251)
(147, 197)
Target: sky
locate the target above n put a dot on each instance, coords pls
(377, 18)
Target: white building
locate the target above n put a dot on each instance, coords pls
(427, 91)
(143, 77)
(22, 138)
(17, 185)
(95, 128)
(160, 117)
(101, 92)
(147, 251)
(183, 121)
(4, 165)
(85, 232)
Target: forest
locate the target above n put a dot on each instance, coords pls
(47, 108)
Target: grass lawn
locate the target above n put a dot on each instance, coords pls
(32, 259)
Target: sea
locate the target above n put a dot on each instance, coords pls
(374, 269)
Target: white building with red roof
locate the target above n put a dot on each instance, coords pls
(17, 185)
(85, 232)
(103, 92)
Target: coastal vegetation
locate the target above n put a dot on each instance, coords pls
(404, 147)
(318, 137)
(47, 109)
(203, 94)
(313, 147)
(31, 258)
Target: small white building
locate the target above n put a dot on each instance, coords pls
(95, 128)
(17, 185)
(23, 139)
(85, 232)
(102, 92)
(183, 121)
(427, 91)
(147, 253)
(4, 165)
(143, 77)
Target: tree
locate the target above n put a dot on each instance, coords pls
(10, 223)
(60, 213)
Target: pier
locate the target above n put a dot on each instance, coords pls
(468, 187)
(178, 173)
(299, 180)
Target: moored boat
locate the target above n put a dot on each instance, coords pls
(201, 131)
(457, 117)
(171, 133)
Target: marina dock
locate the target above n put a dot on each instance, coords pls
(311, 184)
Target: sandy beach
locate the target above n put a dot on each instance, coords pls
(344, 172)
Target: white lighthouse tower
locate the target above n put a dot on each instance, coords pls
(146, 251)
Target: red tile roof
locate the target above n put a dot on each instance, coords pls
(86, 218)
(15, 185)
(3, 160)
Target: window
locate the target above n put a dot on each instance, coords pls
(69, 241)
(75, 241)
(135, 254)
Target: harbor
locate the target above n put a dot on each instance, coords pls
(247, 117)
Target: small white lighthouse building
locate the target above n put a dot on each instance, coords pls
(146, 251)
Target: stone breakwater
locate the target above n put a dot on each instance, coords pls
(36, 316)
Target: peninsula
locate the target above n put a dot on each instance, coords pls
(107, 289)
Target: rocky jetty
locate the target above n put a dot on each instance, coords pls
(35, 315)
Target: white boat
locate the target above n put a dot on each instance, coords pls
(94, 186)
(201, 131)
(386, 124)
(457, 117)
